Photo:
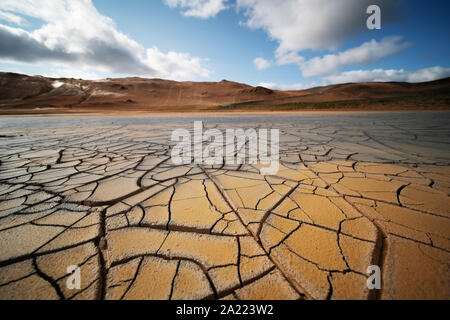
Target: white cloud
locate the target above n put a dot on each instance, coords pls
(289, 58)
(365, 54)
(376, 75)
(175, 65)
(287, 87)
(304, 24)
(381, 75)
(75, 35)
(203, 9)
(9, 17)
(262, 64)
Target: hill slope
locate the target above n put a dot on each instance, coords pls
(24, 94)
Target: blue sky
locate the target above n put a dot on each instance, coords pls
(285, 44)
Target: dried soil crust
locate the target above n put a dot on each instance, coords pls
(109, 200)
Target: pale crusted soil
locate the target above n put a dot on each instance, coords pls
(110, 200)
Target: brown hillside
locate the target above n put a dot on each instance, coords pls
(24, 94)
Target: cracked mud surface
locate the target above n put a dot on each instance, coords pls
(109, 199)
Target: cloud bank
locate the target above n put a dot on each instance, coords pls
(380, 75)
(304, 24)
(376, 75)
(367, 53)
(75, 35)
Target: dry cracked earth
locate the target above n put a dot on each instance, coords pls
(109, 200)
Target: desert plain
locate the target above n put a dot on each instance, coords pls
(353, 190)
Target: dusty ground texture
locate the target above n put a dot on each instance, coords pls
(110, 200)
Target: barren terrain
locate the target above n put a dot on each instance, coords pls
(351, 192)
(20, 95)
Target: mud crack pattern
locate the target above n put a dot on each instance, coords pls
(109, 200)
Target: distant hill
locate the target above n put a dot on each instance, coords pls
(21, 94)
